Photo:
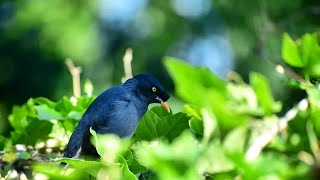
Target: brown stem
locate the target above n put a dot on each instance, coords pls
(127, 59)
(75, 73)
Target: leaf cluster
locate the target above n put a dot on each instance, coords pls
(227, 129)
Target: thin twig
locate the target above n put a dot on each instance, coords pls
(264, 139)
(289, 73)
(75, 73)
(127, 59)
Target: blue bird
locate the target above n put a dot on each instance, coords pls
(118, 111)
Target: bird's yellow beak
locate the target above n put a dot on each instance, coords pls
(165, 106)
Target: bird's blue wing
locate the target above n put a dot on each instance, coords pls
(113, 112)
(121, 118)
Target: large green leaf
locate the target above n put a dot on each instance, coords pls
(202, 88)
(54, 172)
(90, 167)
(303, 53)
(290, 52)
(311, 53)
(192, 83)
(157, 123)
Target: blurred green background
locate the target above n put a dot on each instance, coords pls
(37, 36)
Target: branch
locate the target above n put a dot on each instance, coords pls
(127, 59)
(289, 73)
(75, 73)
(264, 139)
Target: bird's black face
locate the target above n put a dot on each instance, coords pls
(151, 90)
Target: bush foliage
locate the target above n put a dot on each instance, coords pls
(227, 129)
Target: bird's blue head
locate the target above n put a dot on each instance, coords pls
(149, 89)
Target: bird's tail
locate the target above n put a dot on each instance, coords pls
(73, 149)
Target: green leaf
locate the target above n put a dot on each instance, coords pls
(304, 53)
(84, 102)
(311, 52)
(191, 83)
(3, 141)
(314, 97)
(19, 117)
(64, 106)
(243, 100)
(75, 115)
(210, 126)
(69, 125)
(54, 172)
(29, 135)
(192, 111)
(308, 47)
(9, 157)
(90, 167)
(47, 113)
(195, 122)
(134, 165)
(262, 89)
(24, 155)
(43, 100)
(171, 161)
(314, 113)
(157, 123)
(314, 69)
(99, 148)
(109, 146)
(290, 52)
(126, 173)
(196, 125)
(219, 111)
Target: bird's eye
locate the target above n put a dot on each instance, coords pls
(154, 89)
